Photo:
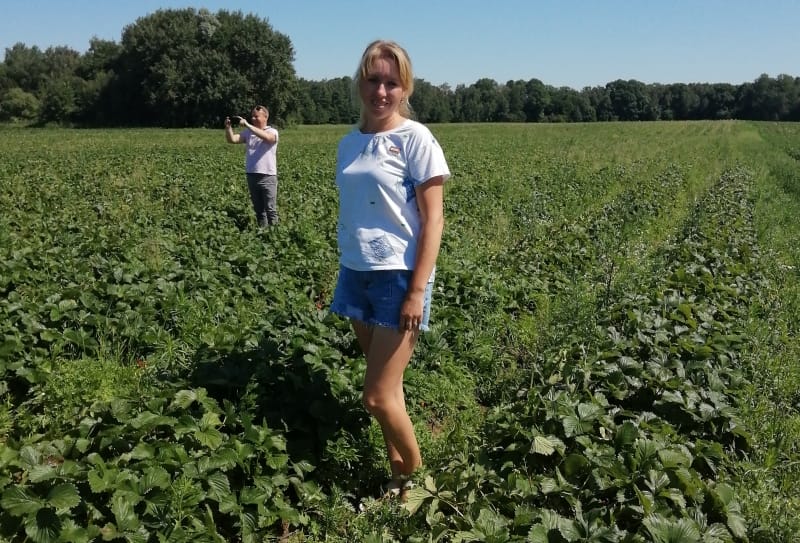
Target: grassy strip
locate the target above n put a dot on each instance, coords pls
(769, 479)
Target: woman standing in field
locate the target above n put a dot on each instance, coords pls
(390, 172)
(260, 163)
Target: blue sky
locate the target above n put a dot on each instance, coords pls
(574, 43)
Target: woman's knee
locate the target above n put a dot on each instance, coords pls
(378, 405)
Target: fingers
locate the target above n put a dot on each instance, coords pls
(410, 323)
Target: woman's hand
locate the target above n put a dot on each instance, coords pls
(411, 311)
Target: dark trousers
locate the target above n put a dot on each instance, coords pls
(264, 195)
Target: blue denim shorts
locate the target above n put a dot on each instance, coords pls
(375, 297)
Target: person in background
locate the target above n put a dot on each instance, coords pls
(390, 172)
(260, 163)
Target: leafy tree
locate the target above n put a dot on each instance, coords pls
(59, 100)
(770, 99)
(721, 101)
(25, 67)
(516, 96)
(327, 101)
(537, 100)
(16, 104)
(192, 68)
(678, 101)
(631, 101)
(97, 95)
(430, 103)
(101, 58)
(478, 102)
(346, 109)
(60, 62)
(569, 105)
(600, 102)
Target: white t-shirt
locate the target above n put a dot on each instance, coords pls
(377, 174)
(261, 156)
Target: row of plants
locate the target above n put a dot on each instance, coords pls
(619, 436)
(126, 317)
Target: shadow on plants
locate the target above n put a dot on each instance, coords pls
(296, 393)
(242, 218)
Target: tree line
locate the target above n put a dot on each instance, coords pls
(190, 68)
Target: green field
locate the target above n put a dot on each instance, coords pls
(614, 352)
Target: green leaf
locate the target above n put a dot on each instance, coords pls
(726, 498)
(551, 519)
(143, 451)
(109, 532)
(42, 472)
(211, 527)
(44, 527)
(492, 524)
(664, 530)
(249, 525)
(671, 458)
(538, 534)
(549, 485)
(737, 525)
(18, 501)
(30, 455)
(148, 420)
(102, 479)
(626, 434)
(430, 484)
(49, 335)
(73, 533)
(210, 437)
(645, 500)
(724, 493)
(656, 480)
(572, 425)
(575, 464)
(542, 445)
(219, 487)
(589, 411)
(690, 483)
(210, 420)
(676, 496)
(184, 398)
(125, 516)
(569, 530)
(154, 477)
(416, 497)
(67, 305)
(64, 496)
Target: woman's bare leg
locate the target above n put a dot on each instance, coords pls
(388, 352)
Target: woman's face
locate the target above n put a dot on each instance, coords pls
(381, 93)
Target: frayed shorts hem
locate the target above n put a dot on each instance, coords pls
(375, 297)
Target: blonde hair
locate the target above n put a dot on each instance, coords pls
(392, 51)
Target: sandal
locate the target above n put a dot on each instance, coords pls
(398, 488)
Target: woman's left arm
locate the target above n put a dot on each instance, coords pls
(430, 200)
